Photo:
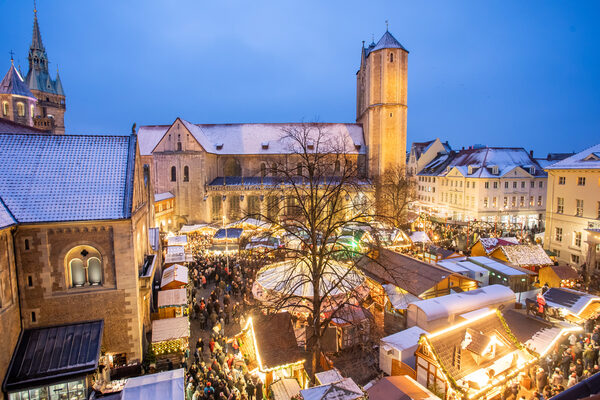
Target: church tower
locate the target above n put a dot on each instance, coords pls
(381, 103)
(50, 109)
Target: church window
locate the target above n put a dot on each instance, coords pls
(391, 57)
(84, 266)
(178, 146)
(5, 108)
(263, 170)
(216, 208)
(173, 174)
(21, 109)
(31, 109)
(186, 174)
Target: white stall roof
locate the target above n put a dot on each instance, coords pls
(173, 297)
(196, 227)
(175, 272)
(170, 328)
(500, 267)
(180, 240)
(398, 297)
(452, 266)
(419, 237)
(175, 258)
(405, 339)
(330, 376)
(472, 266)
(176, 250)
(459, 303)
(475, 313)
(162, 386)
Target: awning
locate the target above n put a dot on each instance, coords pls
(171, 298)
(170, 329)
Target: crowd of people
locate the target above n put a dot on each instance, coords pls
(216, 370)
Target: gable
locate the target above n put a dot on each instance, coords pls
(178, 133)
(517, 172)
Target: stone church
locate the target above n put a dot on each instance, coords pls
(217, 172)
(36, 100)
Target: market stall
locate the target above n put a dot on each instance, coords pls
(172, 303)
(180, 240)
(174, 277)
(170, 335)
(160, 386)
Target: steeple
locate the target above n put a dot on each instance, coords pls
(58, 84)
(37, 76)
(36, 40)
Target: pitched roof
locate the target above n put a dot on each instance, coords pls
(344, 389)
(410, 274)
(387, 41)
(574, 301)
(251, 138)
(6, 218)
(581, 160)
(51, 178)
(399, 387)
(482, 162)
(526, 254)
(57, 353)
(491, 244)
(13, 83)
(565, 272)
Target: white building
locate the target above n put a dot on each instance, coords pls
(574, 207)
(490, 184)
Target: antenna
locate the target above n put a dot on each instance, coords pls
(12, 56)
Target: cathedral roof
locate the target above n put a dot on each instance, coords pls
(250, 138)
(14, 84)
(387, 41)
(52, 178)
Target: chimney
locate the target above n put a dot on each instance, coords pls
(531, 153)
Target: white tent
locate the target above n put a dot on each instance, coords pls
(168, 385)
(180, 240)
(400, 346)
(173, 297)
(176, 250)
(419, 237)
(170, 329)
(175, 275)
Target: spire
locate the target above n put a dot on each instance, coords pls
(36, 40)
(58, 84)
(13, 84)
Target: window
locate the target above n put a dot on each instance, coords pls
(531, 201)
(514, 185)
(253, 205)
(495, 185)
(21, 109)
(581, 181)
(557, 252)
(33, 317)
(523, 185)
(26, 244)
(299, 168)
(577, 239)
(29, 280)
(468, 183)
(513, 202)
(532, 184)
(31, 110)
(522, 201)
(274, 169)
(337, 167)
(487, 185)
(561, 180)
(391, 57)
(5, 108)
(494, 202)
(541, 184)
(505, 202)
(574, 258)
(473, 185)
(186, 174)
(85, 266)
(485, 202)
(263, 170)
(505, 185)
(234, 207)
(178, 146)
(579, 208)
(558, 234)
(560, 205)
(173, 174)
(216, 212)
(539, 201)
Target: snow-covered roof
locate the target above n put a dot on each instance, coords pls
(170, 328)
(50, 178)
(330, 376)
(163, 196)
(483, 162)
(172, 297)
(453, 266)
(490, 244)
(175, 273)
(197, 227)
(398, 297)
(405, 339)
(345, 389)
(251, 138)
(526, 254)
(175, 258)
(586, 159)
(180, 240)
(460, 303)
(160, 386)
(419, 237)
(175, 250)
(497, 266)
(14, 84)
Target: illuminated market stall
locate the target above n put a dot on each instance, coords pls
(172, 303)
(170, 335)
(558, 276)
(174, 277)
(571, 305)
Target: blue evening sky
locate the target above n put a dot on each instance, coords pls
(504, 73)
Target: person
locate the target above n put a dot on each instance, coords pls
(572, 380)
(541, 379)
(259, 390)
(208, 390)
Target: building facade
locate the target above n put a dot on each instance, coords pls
(221, 172)
(489, 184)
(573, 213)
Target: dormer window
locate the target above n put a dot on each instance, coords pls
(264, 145)
(357, 147)
(310, 145)
(470, 169)
(495, 170)
(219, 146)
(532, 170)
(592, 157)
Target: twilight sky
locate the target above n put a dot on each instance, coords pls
(499, 73)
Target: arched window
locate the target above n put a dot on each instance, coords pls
(84, 266)
(94, 271)
(173, 174)
(263, 169)
(21, 109)
(5, 108)
(337, 166)
(31, 110)
(77, 272)
(186, 174)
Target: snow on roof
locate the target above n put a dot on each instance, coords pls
(163, 385)
(497, 266)
(249, 138)
(49, 178)
(175, 258)
(170, 328)
(419, 237)
(345, 389)
(526, 254)
(180, 240)
(583, 160)
(490, 244)
(460, 303)
(197, 227)
(163, 196)
(405, 339)
(172, 297)
(398, 297)
(175, 273)
(471, 266)
(453, 266)
(330, 376)
(175, 250)
(285, 389)
(475, 313)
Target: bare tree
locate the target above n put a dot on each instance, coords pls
(394, 192)
(313, 196)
